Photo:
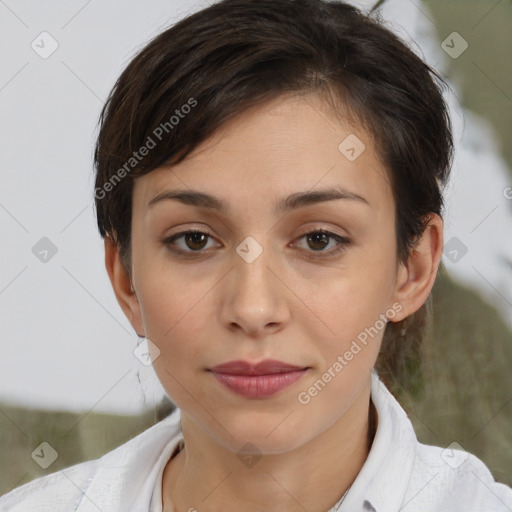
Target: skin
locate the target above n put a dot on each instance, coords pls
(291, 304)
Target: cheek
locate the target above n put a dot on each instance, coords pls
(352, 301)
(349, 314)
(175, 323)
(173, 312)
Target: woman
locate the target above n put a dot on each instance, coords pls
(269, 189)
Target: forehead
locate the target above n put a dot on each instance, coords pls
(287, 145)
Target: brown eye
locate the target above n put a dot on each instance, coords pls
(194, 241)
(319, 239)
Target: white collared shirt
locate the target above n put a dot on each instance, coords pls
(399, 474)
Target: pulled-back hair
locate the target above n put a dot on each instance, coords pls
(212, 65)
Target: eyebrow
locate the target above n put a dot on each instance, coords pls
(285, 205)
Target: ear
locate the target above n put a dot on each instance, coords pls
(416, 278)
(122, 285)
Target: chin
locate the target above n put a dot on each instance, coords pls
(264, 434)
(245, 443)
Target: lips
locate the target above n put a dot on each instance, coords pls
(258, 380)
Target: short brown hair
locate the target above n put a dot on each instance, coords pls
(212, 65)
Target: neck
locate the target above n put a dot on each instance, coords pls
(313, 477)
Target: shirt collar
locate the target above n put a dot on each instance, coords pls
(382, 483)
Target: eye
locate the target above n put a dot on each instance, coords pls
(319, 239)
(194, 240)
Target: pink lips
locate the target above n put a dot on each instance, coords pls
(257, 380)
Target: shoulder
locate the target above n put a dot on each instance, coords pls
(51, 493)
(113, 478)
(415, 477)
(453, 479)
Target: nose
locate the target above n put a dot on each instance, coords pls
(254, 299)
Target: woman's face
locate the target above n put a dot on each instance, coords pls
(255, 286)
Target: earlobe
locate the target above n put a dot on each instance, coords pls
(122, 286)
(415, 279)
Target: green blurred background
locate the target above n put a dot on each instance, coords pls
(466, 391)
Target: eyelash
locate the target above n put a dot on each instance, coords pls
(343, 242)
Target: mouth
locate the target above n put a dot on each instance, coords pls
(258, 380)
